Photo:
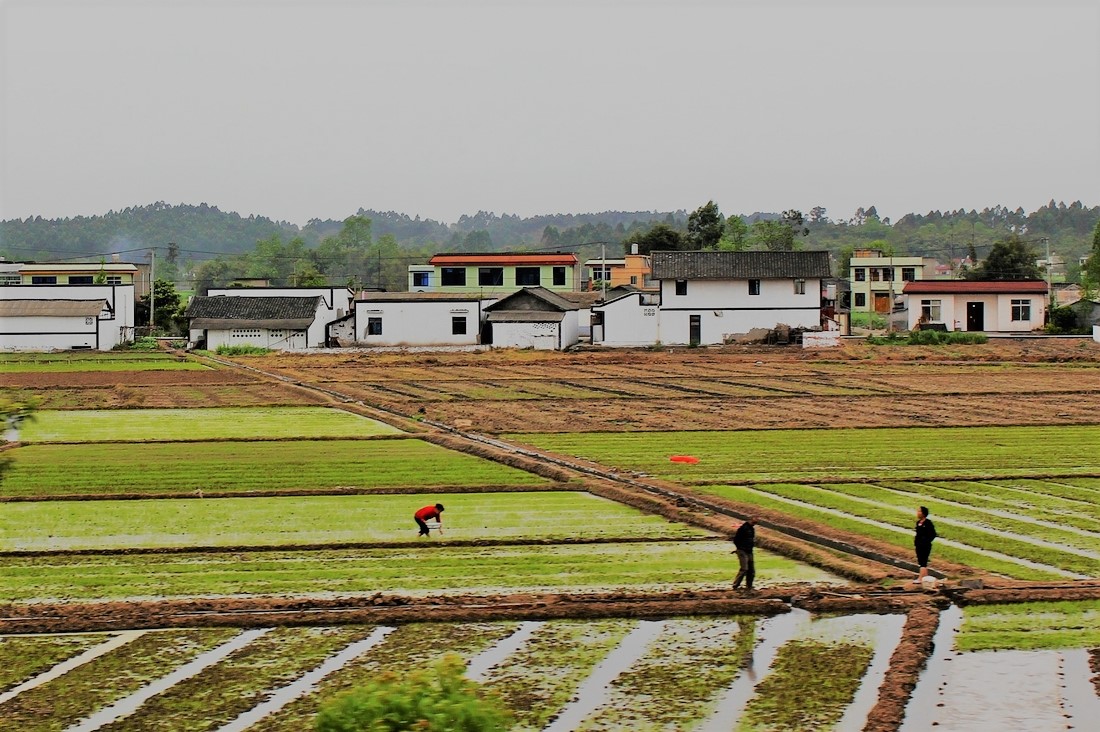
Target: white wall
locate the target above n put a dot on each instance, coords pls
(418, 323)
(540, 336)
(49, 333)
(997, 316)
(336, 302)
(570, 329)
(276, 339)
(725, 307)
(629, 323)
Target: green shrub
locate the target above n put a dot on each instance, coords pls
(430, 700)
(874, 321)
(241, 351)
(145, 343)
(930, 338)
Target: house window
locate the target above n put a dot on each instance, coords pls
(1021, 310)
(458, 325)
(114, 279)
(681, 287)
(81, 280)
(861, 274)
(453, 276)
(559, 276)
(633, 279)
(422, 279)
(374, 326)
(244, 333)
(754, 287)
(875, 274)
(43, 280)
(930, 311)
(887, 274)
(10, 279)
(528, 276)
(908, 274)
(490, 276)
(800, 287)
(860, 299)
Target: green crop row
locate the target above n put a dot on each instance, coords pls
(1030, 626)
(24, 657)
(427, 568)
(837, 454)
(106, 364)
(901, 537)
(68, 525)
(111, 469)
(141, 425)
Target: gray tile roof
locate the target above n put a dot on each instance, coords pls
(52, 308)
(715, 265)
(228, 307)
(534, 298)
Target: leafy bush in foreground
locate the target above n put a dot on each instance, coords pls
(430, 700)
(930, 338)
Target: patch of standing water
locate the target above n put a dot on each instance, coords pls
(307, 683)
(772, 634)
(128, 705)
(479, 666)
(592, 693)
(75, 662)
(991, 691)
(888, 630)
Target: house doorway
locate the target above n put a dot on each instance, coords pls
(695, 330)
(975, 316)
(882, 302)
(487, 333)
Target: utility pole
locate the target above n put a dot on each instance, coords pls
(152, 283)
(603, 268)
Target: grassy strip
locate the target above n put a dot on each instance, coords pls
(838, 454)
(900, 513)
(540, 678)
(24, 657)
(244, 466)
(676, 683)
(141, 425)
(1081, 493)
(82, 365)
(408, 648)
(71, 356)
(900, 538)
(226, 690)
(67, 525)
(60, 703)
(696, 564)
(1030, 626)
(901, 516)
(810, 686)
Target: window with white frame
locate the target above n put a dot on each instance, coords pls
(860, 274)
(114, 279)
(458, 325)
(860, 299)
(800, 287)
(422, 279)
(908, 274)
(930, 311)
(887, 274)
(374, 326)
(1021, 310)
(876, 274)
(754, 287)
(11, 279)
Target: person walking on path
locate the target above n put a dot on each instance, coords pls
(922, 541)
(743, 540)
(426, 514)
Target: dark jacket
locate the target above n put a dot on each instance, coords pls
(745, 537)
(926, 532)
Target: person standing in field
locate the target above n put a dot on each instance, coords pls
(743, 540)
(426, 514)
(922, 541)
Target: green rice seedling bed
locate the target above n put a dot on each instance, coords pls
(408, 648)
(60, 703)
(49, 470)
(901, 537)
(811, 685)
(539, 679)
(75, 356)
(284, 520)
(900, 513)
(453, 570)
(1030, 626)
(838, 454)
(22, 657)
(144, 425)
(1084, 493)
(676, 683)
(222, 692)
(105, 364)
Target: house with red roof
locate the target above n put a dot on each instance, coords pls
(494, 274)
(1003, 306)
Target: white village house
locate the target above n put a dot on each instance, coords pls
(1004, 306)
(283, 318)
(706, 297)
(414, 319)
(63, 317)
(538, 318)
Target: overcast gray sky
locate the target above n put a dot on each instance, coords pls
(295, 110)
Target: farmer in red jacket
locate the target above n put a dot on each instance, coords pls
(427, 514)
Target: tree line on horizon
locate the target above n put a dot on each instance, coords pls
(199, 247)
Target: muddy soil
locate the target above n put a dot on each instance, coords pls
(1094, 666)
